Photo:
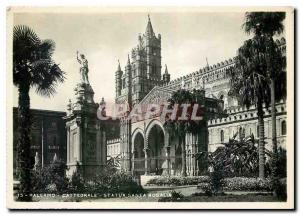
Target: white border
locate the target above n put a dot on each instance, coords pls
(71, 205)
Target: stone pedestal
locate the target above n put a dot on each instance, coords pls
(86, 144)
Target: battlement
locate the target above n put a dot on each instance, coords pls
(242, 113)
(212, 73)
(204, 75)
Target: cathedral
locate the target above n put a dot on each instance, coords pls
(146, 147)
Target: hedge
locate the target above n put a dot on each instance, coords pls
(177, 180)
(242, 184)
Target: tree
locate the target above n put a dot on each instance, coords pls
(183, 126)
(268, 24)
(250, 86)
(32, 67)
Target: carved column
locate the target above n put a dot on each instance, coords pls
(168, 160)
(79, 140)
(167, 148)
(133, 157)
(147, 163)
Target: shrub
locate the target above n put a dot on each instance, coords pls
(240, 184)
(238, 157)
(77, 182)
(246, 184)
(50, 178)
(175, 197)
(107, 182)
(177, 180)
(118, 182)
(206, 187)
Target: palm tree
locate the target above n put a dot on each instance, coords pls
(268, 24)
(182, 127)
(32, 67)
(250, 85)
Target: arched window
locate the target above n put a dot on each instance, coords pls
(283, 128)
(257, 131)
(222, 136)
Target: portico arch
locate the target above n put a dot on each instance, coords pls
(156, 149)
(138, 154)
(153, 123)
(134, 134)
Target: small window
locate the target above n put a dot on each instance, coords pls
(283, 128)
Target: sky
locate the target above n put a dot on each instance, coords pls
(187, 40)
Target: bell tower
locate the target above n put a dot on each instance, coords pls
(142, 73)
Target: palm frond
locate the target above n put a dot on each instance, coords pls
(45, 77)
(264, 22)
(32, 61)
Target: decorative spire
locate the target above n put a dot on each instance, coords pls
(119, 67)
(207, 65)
(128, 60)
(166, 69)
(166, 75)
(149, 29)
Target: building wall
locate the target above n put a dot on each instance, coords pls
(48, 136)
(246, 120)
(113, 148)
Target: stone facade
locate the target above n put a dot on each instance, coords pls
(146, 146)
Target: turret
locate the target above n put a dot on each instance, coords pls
(166, 75)
(102, 107)
(128, 66)
(128, 76)
(118, 77)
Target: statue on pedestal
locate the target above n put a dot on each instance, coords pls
(84, 69)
